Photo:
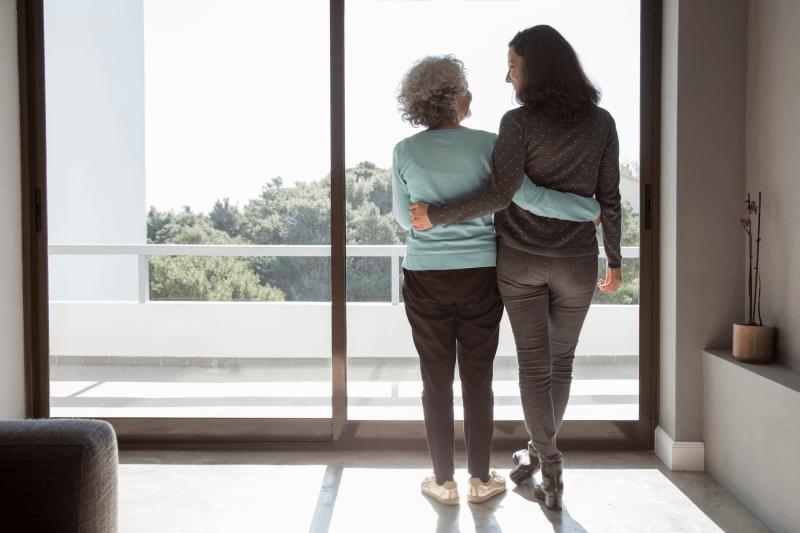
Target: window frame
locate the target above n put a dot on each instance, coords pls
(337, 432)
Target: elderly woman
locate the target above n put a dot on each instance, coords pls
(450, 283)
(546, 268)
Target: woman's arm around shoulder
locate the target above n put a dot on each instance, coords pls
(508, 162)
(555, 204)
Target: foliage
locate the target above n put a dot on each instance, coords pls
(225, 217)
(301, 215)
(220, 278)
(292, 215)
(207, 279)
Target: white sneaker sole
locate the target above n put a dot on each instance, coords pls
(448, 501)
(481, 499)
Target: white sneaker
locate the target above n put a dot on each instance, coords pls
(446, 493)
(480, 491)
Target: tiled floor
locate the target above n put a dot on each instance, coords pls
(379, 390)
(333, 492)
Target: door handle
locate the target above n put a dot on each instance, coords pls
(37, 209)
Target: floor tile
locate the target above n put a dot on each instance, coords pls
(334, 492)
(218, 498)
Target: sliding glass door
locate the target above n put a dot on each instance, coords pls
(383, 40)
(189, 209)
(224, 263)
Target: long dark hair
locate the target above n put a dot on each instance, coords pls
(553, 79)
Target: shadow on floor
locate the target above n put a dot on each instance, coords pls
(562, 522)
(448, 517)
(327, 499)
(483, 515)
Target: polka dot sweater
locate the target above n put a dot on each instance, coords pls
(580, 158)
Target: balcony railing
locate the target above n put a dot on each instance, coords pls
(143, 251)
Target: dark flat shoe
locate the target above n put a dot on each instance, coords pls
(526, 467)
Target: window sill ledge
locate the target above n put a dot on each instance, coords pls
(774, 372)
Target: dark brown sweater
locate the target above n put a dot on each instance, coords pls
(581, 158)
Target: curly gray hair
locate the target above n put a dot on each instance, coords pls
(430, 89)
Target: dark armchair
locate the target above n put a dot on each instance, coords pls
(58, 475)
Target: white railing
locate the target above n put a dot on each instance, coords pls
(143, 251)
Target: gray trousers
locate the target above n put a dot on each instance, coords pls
(547, 299)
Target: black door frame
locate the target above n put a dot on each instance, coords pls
(337, 432)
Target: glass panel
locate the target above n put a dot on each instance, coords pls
(383, 367)
(184, 122)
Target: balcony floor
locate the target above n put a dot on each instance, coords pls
(378, 390)
(332, 492)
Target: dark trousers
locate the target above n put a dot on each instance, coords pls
(455, 314)
(547, 299)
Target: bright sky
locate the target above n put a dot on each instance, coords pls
(237, 93)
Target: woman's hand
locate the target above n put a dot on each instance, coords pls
(612, 281)
(597, 221)
(419, 216)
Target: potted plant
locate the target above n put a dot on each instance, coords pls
(753, 343)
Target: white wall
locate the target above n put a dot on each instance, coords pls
(267, 329)
(773, 163)
(751, 434)
(94, 58)
(667, 198)
(703, 146)
(12, 372)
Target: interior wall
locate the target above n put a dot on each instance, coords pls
(12, 372)
(703, 150)
(668, 213)
(761, 420)
(773, 164)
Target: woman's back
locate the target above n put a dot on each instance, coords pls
(580, 157)
(437, 167)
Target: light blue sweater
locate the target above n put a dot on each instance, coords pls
(445, 166)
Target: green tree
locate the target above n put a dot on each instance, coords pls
(300, 215)
(218, 278)
(370, 220)
(165, 227)
(202, 278)
(226, 217)
(292, 216)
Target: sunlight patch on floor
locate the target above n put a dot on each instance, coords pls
(596, 501)
(218, 498)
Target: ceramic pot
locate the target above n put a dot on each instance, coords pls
(753, 344)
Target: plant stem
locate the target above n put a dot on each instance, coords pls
(750, 270)
(760, 323)
(755, 294)
(758, 248)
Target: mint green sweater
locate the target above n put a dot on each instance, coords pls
(446, 166)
